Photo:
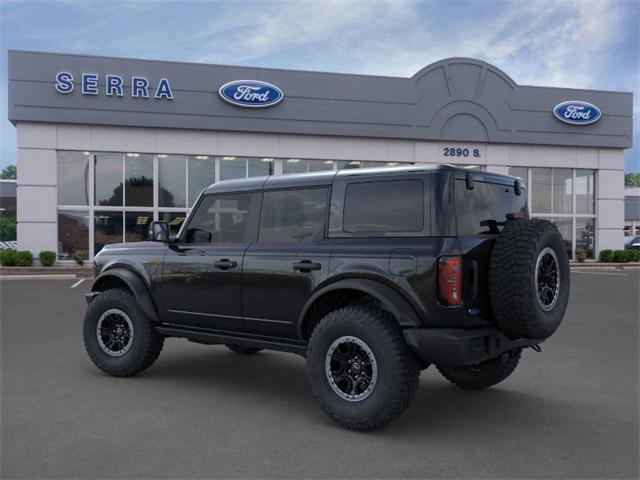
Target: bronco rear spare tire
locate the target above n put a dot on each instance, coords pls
(529, 279)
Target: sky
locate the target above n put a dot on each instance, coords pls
(564, 43)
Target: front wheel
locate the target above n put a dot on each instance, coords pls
(361, 371)
(118, 337)
(482, 375)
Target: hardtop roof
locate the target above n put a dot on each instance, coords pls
(327, 177)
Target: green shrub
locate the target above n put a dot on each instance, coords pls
(8, 258)
(620, 256)
(633, 255)
(47, 258)
(80, 256)
(24, 258)
(606, 256)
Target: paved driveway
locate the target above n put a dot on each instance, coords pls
(568, 412)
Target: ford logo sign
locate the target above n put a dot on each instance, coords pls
(577, 112)
(250, 93)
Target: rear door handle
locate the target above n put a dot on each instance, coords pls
(306, 266)
(225, 264)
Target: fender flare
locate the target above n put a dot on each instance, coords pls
(392, 301)
(137, 286)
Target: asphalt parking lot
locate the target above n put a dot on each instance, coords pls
(201, 412)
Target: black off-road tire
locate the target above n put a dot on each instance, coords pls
(242, 350)
(397, 369)
(145, 345)
(483, 375)
(513, 290)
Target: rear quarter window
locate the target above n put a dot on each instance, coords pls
(389, 206)
(487, 201)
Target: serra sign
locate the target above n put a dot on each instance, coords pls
(113, 85)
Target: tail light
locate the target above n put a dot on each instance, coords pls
(450, 280)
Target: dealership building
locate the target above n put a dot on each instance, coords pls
(106, 145)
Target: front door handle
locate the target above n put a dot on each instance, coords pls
(225, 264)
(306, 266)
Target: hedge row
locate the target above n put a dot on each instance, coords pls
(24, 258)
(619, 256)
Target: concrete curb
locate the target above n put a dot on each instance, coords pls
(51, 276)
(46, 271)
(605, 266)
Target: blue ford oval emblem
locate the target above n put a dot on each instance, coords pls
(577, 112)
(250, 93)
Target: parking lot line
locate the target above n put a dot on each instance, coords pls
(78, 283)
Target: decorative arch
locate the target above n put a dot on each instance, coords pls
(447, 63)
(465, 120)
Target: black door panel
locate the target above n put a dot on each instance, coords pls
(274, 290)
(197, 292)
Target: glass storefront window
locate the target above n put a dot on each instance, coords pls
(108, 179)
(172, 180)
(585, 235)
(320, 165)
(73, 234)
(259, 167)
(541, 190)
(585, 192)
(233, 167)
(136, 226)
(174, 219)
(295, 165)
(562, 179)
(107, 229)
(201, 175)
(73, 178)
(565, 226)
(138, 172)
(345, 165)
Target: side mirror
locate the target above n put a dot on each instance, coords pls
(160, 232)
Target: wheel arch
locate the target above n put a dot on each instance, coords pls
(346, 291)
(121, 277)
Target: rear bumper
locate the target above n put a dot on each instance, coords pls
(456, 346)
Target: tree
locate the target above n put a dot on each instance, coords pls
(7, 228)
(632, 180)
(9, 173)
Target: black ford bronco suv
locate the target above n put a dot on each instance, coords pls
(371, 274)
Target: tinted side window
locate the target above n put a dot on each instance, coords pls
(385, 206)
(294, 216)
(487, 201)
(220, 219)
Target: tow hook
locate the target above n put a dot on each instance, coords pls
(536, 348)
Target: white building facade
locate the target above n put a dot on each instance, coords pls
(95, 168)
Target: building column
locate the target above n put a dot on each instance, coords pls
(37, 196)
(610, 200)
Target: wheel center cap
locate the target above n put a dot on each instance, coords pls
(355, 367)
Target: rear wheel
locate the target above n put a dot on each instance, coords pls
(118, 337)
(361, 371)
(482, 375)
(242, 350)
